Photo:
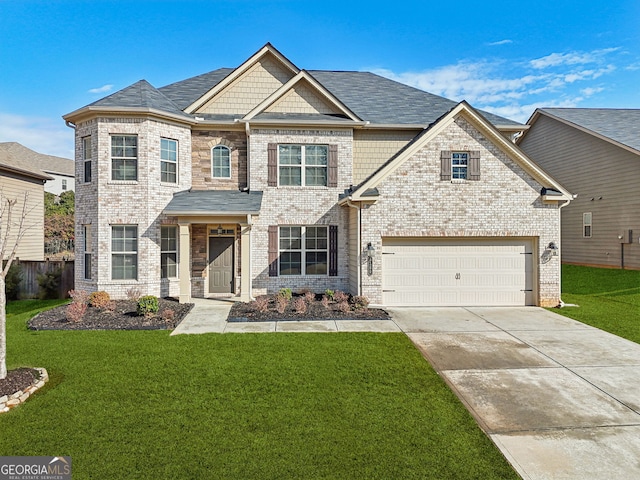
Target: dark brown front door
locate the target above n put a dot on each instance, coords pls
(220, 264)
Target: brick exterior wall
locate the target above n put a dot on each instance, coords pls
(202, 143)
(298, 206)
(103, 202)
(505, 202)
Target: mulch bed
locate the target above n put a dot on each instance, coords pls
(124, 317)
(247, 312)
(18, 380)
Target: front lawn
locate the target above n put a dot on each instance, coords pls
(142, 404)
(608, 299)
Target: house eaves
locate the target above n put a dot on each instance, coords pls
(93, 111)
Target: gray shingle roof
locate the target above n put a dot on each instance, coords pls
(18, 157)
(141, 94)
(185, 92)
(618, 124)
(214, 202)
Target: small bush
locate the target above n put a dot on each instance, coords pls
(329, 293)
(360, 301)
(79, 296)
(286, 293)
(100, 300)
(340, 297)
(261, 303)
(75, 311)
(12, 281)
(325, 301)
(300, 306)
(310, 297)
(148, 305)
(281, 303)
(134, 294)
(344, 307)
(49, 283)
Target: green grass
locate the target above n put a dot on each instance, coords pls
(143, 404)
(608, 299)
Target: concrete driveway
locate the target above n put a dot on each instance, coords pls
(559, 398)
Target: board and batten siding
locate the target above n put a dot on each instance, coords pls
(372, 148)
(13, 187)
(605, 177)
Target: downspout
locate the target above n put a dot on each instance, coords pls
(359, 240)
(560, 207)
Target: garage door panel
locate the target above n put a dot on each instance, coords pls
(455, 272)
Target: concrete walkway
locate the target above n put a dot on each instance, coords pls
(560, 399)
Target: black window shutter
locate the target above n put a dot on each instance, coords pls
(445, 165)
(333, 166)
(474, 165)
(333, 250)
(273, 250)
(272, 165)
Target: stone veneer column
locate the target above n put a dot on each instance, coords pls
(185, 263)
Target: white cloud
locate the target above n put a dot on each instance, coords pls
(44, 135)
(515, 89)
(102, 89)
(501, 42)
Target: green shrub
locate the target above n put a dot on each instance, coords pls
(49, 283)
(286, 293)
(148, 305)
(329, 293)
(100, 300)
(12, 281)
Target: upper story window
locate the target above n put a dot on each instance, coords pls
(220, 162)
(586, 224)
(459, 165)
(86, 157)
(303, 165)
(64, 184)
(168, 160)
(124, 157)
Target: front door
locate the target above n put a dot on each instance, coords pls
(220, 264)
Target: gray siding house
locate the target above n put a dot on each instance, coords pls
(594, 153)
(242, 181)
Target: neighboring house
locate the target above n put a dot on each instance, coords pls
(595, 153)
(244, 181)
(60, 170)
(17, 177)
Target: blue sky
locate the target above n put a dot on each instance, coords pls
(505, 57)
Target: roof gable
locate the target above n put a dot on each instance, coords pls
(362, 191)
(302, 95)
(249, 84)
(618, 126)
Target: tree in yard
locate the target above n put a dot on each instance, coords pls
(8, 248)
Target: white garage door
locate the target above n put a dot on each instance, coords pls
(457, 272)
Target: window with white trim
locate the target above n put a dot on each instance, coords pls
(87, 251)
(586, 224)
(303, 250)
(220, 162)
(168, 252)
(459, 165)
(86, 156)
(64, 184)
(168, 160)
(124, 252)
(124, 157)
(303, 165)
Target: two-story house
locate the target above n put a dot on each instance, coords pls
(244, 181)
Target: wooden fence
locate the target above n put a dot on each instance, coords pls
(29, 287)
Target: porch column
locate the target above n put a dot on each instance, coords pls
(245, 262)
(185, 263)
